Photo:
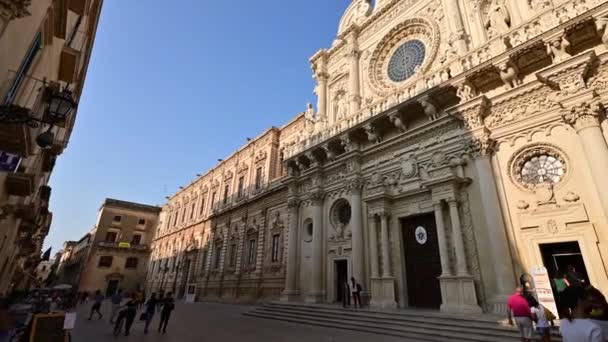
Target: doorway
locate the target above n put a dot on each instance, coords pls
(422, 261)
(558, 257)
(341, 267)
(112, 287)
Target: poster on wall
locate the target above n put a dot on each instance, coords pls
(544, 291)
(191, 293)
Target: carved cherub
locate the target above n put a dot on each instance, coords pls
(465, 92)
(372, 136)
(558, 49)
(601, 24)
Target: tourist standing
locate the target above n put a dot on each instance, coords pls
(356, 291)
(130, 313)
(167, 306)
(576, 326)
(519, 309)
(150, 310)
(116, 301)
(97, 300)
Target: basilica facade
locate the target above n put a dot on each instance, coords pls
(455, 145)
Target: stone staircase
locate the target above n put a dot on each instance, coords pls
(419, 325)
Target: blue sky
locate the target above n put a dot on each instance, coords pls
(171, 89)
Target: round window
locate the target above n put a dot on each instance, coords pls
(542, 169)
(405, 60)
(341, 213)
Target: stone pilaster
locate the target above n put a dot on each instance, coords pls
(442, 240)
(458, 38)
(383, 288)
(319, 66)
(356, 225)
(316, 293)
(291, 287)
(353, 56)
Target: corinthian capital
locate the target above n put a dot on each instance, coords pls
(317, 197)
(583, 115)
(482, 145)
(472, 113)
(355, 185)
(293, 203)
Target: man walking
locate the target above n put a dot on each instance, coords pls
(345, 294)
(97, 300)
(167, 306)
(519, 308)
(150, 310)
(356, 291)
(116, 301)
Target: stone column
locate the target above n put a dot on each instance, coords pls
(291, 286)
(386, 261)
(316, 293)
(353, 76)
(461, 261)
(441, 240)
(319, 61)
(373, 245)
(356, 225)
(584, 118)
(456, 25)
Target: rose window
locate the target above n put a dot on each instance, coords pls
(542, 169)
(406, 60)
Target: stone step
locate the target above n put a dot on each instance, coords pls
(388, 323)
(486, 322)
(414, 324)
(417, 334)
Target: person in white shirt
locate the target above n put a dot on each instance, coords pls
(543, 328)
(576, 326)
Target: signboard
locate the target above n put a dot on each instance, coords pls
(48, 328)
(124, 245)
(544, 292)
(9, 162)
(191, 293)
(70, 321)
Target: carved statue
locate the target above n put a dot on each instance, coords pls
(310, 111)
(339, 231)
(430, 109)
(558, 49)
(398, 122)
(498, 20)
(465, 92)
(509, 75)
(372, 136)
(346, 143)
(601, 25)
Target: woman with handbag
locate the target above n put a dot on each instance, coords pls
(150, 310)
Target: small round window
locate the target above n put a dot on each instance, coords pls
(405, 60)
(341, 213)
(539, 165)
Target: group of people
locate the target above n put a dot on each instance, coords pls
(582, 309)
(127, 312)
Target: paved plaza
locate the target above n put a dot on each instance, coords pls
(216, 322)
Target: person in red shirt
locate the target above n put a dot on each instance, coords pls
(519, 309)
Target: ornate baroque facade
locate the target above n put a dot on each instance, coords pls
(455, 145)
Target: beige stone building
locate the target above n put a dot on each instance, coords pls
(455, 145)
(45, 47)
(114, 254)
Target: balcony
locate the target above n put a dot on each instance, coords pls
(123, 246)
(20, 184)
(45, 193)
(48, 161)
(26, 101)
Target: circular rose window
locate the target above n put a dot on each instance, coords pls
(539, 165)
(406, 60)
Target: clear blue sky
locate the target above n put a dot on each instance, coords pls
(173, 87)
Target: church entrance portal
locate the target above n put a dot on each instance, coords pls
(341, 277)
(558, 257)
(422, 261)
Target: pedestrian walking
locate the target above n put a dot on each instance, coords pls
(519, 309)
(97, 300)
(345, 294)
(150, 310)
(574, 278)
(116, 301)
(140, 299)
(130, 313)
(539, 316)
(167, 306)
(577, 325)
(356, 291)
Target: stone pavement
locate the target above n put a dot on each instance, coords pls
(215, 322)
